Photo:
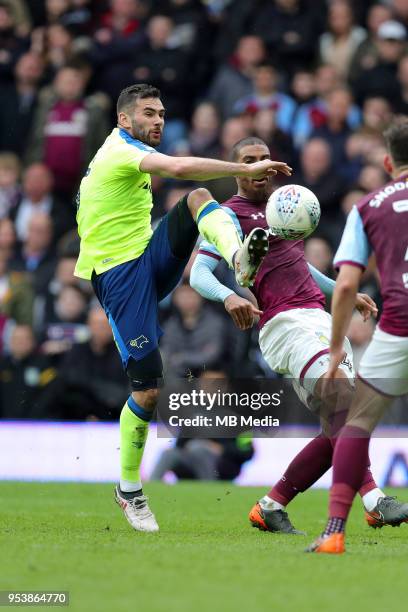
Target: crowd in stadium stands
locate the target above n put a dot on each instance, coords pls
(318, 81)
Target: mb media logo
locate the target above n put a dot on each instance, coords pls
(139, 342)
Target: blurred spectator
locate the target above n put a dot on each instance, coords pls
(371, 178)
(366, 54)
(319, 253)
(7, 238)
(365, 146)
(192, 28)
(9, 187)
(336, 130)
(57, 45)
(338, 45)
(232, 130)
(377, 115)
(74, 14)
(45, 306)
(66, 325)
(36, 254)
(123, 18)
(56, 10)
(117, 38)
(26, 379)
(303, 86)
(68, 128)
(92, 384)
(16, 294)
(232, 80)
(18, 102)
(381, 79)
(205, 459)
(318, 173)
(37, 196)
(203, 137)
(20, 14)
(290, 29)
(279, 143)
(79, 17)
(12, 43)
(59, 48)
(313, 114)
(195, 337)
(168, 69)
(265, 96)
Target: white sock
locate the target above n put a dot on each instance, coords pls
(270, 504)
(128, 487)
(371, 498)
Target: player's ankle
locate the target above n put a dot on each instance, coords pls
(267, 503)
(335, 524)
(370, 499)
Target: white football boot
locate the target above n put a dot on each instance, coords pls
(249, 257)
(137, 512)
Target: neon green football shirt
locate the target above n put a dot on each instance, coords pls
(114, 205)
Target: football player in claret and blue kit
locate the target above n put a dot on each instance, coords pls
(377, 224)
(294, 339)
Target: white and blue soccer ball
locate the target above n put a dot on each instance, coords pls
(293, 212)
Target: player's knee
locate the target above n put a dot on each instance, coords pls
(197, 198)
(336, 397)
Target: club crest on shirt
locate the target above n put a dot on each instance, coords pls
(322, 338)
(139, 342)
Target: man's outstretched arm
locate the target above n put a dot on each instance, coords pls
(203, 280)
(202, 169)
(364, 303)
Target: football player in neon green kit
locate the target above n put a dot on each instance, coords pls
(133, 268)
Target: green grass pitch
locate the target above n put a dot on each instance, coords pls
(206, 556)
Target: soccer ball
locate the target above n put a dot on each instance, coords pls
(293, 212)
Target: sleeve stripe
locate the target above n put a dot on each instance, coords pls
(356, 264)
(203, 252)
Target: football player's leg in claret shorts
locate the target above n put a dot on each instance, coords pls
(383, 376)
(130, 293)
(296, 343)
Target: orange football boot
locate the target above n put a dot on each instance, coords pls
(332, 544)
